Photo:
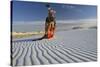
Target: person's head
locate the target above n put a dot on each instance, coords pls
(51, 12)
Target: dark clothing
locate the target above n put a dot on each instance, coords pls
(48, 21)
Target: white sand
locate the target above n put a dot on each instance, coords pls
(67, 47)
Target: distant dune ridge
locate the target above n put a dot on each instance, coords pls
(37, 26)
(27, 30)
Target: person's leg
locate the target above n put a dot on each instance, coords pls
(52, 29)
(49, 32)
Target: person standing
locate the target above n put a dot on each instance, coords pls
(50, 23)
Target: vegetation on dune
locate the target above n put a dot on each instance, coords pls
(25, 34)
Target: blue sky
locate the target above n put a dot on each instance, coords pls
(36, 11)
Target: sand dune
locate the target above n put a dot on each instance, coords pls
(66, 47)
(60, 27)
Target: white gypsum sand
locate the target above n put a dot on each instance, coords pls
(66, 47)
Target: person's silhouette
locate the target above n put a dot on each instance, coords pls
(50, 23)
